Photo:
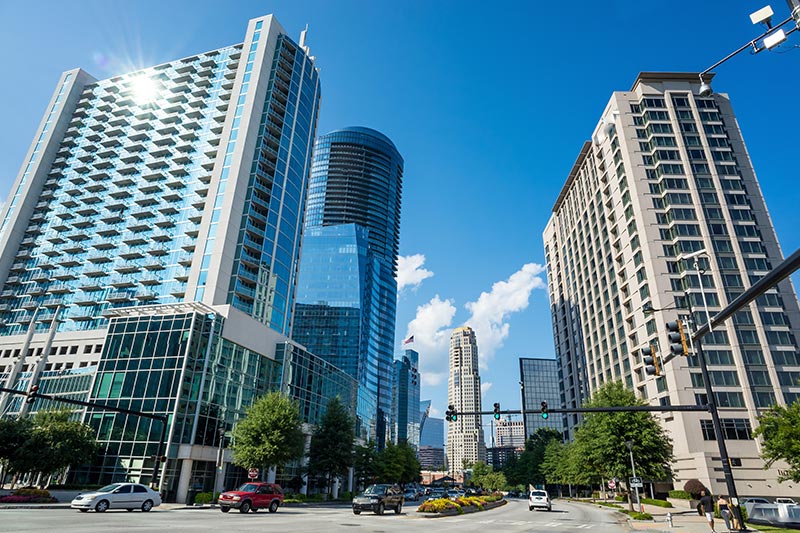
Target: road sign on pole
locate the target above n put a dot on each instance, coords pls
(612, 485)
(636, 482)
(252, 473)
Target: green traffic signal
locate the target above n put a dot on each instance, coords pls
(497, 411)
(545, 414)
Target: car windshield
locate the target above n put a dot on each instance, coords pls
(538, 493)
(109, 488)
(248, 487)
(376, 489)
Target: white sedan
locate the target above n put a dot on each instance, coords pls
(127, 496)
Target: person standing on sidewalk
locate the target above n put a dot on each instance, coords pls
(707, 503)
(725, 511)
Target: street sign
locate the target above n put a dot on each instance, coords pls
(252, 473)
(612, 485)
(635, 482)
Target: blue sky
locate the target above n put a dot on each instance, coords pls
(489, 105)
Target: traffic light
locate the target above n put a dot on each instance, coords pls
(32, 394)
(545, 414)
(497, 411)
(676, 338)
(651, 361)
(450, 415)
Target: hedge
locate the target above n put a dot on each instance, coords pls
(680, 495)
(658, 503)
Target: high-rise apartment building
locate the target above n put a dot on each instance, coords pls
(665, 175)
(540, 382)
(405, 402)
(149, 250)
(353, 235)
(509, 433)
(465, 444)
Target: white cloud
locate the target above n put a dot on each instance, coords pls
(410, 272)
(485, 386)
(431, 330)
(435, 413)
(489, 313)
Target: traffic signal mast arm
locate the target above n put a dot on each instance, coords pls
(622, 409)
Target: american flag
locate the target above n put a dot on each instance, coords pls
(408, 340)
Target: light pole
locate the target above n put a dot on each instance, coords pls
(629, 444)
(711, 400)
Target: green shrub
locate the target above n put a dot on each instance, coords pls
(619, 498)
(346, 496)
(612, 505)
(639, 516)
(680, 495)
(203, 498)
(315, 497)
(659, 503)
(33, 493)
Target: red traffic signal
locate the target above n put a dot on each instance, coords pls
(32, 394)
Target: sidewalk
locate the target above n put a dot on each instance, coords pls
(683, 521)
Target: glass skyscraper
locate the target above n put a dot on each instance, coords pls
(405, 414)
(347, 291)
(149, 251)
(540, 382)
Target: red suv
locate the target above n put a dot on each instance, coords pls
(251, 497)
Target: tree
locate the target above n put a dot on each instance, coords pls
(365, 464)
(331, 450)
(269, 434)
(602, 438)
(528, 468)
(398, 463)
(780, 428)
(479, 472)
(46, 443)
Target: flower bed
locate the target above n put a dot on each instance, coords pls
(466, 504)
(29, 496)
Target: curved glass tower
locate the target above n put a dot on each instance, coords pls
(356, 181)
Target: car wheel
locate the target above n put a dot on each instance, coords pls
(224, 509)
(273, 507)
(102, 506)
(379, 510)
(147, 505)
(398, 509)
(245, 508)
(356, 511)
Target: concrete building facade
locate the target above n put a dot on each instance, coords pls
(465, 442)
(667, 174)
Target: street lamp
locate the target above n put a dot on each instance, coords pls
(768, 40)
(629, 444)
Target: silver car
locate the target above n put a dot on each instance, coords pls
(127, 496)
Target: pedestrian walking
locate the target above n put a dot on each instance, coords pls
(725, 511)
(707, 505)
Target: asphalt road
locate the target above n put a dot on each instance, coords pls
(513, 517)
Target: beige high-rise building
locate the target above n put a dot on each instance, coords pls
(465, 444)
(665, 175)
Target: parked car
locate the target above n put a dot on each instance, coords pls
(755, 500)
(785, 500)
(438, 493)
(411, 495)
(251, 497)
(127, 496)
(377, 498)
(539, 499)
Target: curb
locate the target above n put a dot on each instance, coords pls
(34, 506)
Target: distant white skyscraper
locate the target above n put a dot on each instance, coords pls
(465, 442)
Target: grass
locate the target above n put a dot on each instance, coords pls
(770, 528)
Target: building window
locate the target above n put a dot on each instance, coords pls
(732, 429)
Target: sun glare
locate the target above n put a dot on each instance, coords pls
(144, 90)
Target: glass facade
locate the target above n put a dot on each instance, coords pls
(540, 383)
(405, 413)
(356, 181)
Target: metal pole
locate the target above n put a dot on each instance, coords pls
(633, 467)
(157, 467)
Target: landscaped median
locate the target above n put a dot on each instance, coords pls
(467, 504)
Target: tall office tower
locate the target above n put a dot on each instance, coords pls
(353, 232)
(433, 433)
(465, 444)
(150, 245)
(667, 174)
(405, 403)
(431, 458)
(541, 382)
